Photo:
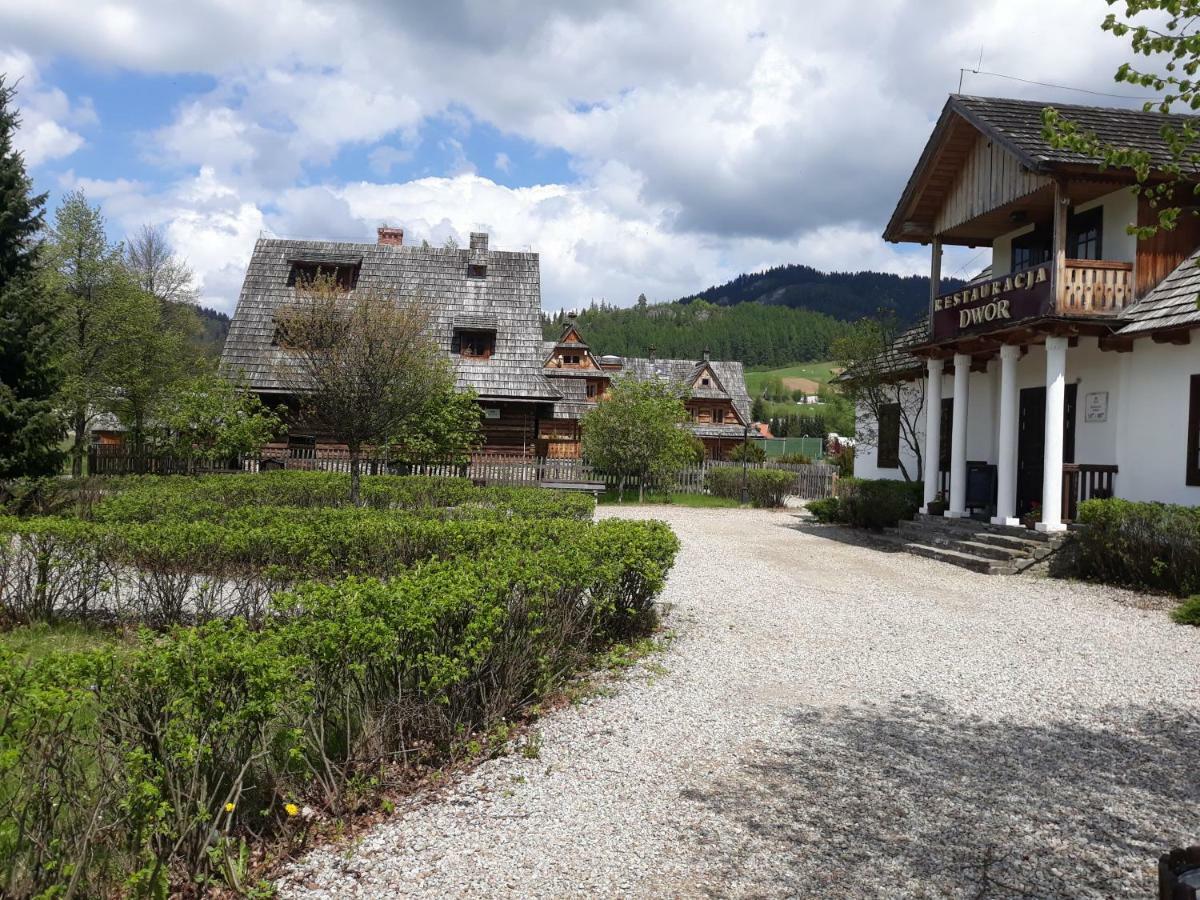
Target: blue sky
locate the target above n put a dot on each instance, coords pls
(654, 147)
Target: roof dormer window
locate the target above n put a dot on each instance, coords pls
(303, 272)
(705, 382)
(476, 344)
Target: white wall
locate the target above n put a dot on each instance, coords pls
(1145, 431)
(1151, 442)
(866, 456)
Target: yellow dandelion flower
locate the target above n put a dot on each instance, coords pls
(228, 807)
(291, 809)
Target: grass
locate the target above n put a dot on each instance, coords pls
(34, 642)
(819, 372)
(675, 498)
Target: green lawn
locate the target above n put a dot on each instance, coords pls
(695, 501)
(33, 642)
(819, 372)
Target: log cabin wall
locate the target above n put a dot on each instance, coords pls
(989, 178)
(514, 431)
(1159, 255)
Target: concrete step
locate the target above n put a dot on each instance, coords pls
(986, 550)
(977, 526)
(964, 560)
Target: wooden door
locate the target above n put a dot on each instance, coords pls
(1031, 442)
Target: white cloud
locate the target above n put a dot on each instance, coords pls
(708, 137)
(48, 117)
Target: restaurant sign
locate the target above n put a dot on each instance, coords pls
(994, 304)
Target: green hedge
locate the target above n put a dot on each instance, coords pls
(154, 498)
(1152, 546)
(766, 487)
(175, 571)
(870, 503)
(130, 768)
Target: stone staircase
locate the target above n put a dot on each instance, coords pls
(977, 545)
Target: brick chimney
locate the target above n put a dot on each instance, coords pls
(391, 237)
(479, 241)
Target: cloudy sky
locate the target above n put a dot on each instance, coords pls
(639, 146)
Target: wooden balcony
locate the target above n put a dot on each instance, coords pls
(1095, 288)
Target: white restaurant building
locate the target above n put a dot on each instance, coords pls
(1068, 371)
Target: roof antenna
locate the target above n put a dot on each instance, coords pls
(975, 71)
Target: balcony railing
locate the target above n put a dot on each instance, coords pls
(1085, 482)
(1095, 287)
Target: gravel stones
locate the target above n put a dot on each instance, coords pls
(832, 720)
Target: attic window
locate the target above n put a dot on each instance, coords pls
(476, 344)
(571, 359)
(304, 272)
(704, 382)
(719, 416)
(476, 270)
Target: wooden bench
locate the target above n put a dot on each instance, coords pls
(595, 488)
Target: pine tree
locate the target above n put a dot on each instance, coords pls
(30, 427)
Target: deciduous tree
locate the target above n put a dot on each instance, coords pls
(636, 431)
(210, 418)
(873, 384)
(360, 364)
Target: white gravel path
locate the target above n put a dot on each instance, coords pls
(833, 721)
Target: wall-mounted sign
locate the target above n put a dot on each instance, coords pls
(1095, 406)
(994, 304)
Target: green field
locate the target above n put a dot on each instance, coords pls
(819, 372)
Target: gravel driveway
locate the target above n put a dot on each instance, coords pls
(832, 721)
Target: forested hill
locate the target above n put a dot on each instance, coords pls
(213, 328)
(750, 332)
(777, 317)
(843, 295)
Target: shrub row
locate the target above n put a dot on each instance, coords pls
(1152, 546)
(765, 487)
(124, 770)
(151, 498)
(869, 503)
(176, 571)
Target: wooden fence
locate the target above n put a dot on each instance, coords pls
(812, 481)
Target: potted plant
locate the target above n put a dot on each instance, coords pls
(1033, 516)
(937, 506)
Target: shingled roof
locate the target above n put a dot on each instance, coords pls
(507, 299)
(730, 375)
(1172, 304)
(1016, 125)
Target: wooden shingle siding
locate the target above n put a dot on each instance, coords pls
(990, 177)
(508, 298)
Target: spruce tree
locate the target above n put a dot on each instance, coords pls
(30, 427)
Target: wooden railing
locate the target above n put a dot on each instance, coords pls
(1085, 482)
(1095, 287)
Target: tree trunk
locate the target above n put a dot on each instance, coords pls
(355, 473)
(642, 488)
(621, 489)
(79, 423)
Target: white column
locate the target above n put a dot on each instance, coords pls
(933, 427)
(1006, 470)
(1052, 463)
(958, 439)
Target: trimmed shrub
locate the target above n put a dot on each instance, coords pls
(213, 497)
(827, 510)
(1152, 546)
(877, 503)
(132, 768)
(1188, 612)
(766, 487)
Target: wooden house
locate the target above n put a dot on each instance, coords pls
(485, 307)
(717, 401)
